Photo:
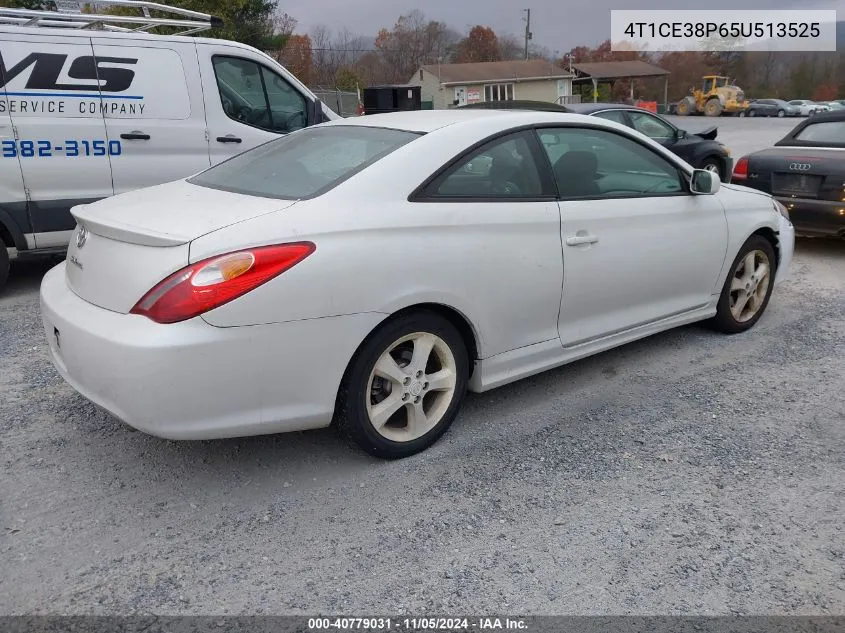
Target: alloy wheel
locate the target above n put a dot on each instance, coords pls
(411, 387)
(749, 285)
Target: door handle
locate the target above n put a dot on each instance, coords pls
(135, 135)
(575, 240)
(228, 139)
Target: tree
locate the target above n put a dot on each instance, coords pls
(510, 48)
(296, 56)
(252, 22)
(283, 27)
(348, 79)
(825, 92)
(480, 45)
(37, 5)
(413, 42)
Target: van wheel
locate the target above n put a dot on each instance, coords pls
(4, 265)
(404, 387)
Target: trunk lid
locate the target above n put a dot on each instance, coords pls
(798, 172)
(126, 244)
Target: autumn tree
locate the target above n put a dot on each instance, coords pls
(825, 92)
(296, 56)
(480, 45)
(412, 42)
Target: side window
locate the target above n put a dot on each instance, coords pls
(255, 96)
(501, 169)
(617, 116)
(651, 126)
(287, 105)
(589, 163)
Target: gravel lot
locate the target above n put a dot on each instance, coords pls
(687, 473)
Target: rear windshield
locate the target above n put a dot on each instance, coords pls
(829, 132)
(304, 164)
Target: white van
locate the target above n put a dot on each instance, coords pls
(94, 111)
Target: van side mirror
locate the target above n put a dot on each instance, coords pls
(315, 112)
(704, 182)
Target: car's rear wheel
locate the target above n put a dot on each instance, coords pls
(751, 113)
(405, 385)
(748, 287)
(742, 113)
(4, 264)
(713, 165)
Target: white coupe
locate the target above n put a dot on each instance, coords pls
(368, 272)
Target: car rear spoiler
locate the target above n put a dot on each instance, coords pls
(709, 133)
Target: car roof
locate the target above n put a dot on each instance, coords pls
(589, 108)
(430, 120)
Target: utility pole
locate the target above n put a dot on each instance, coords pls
(528, 34)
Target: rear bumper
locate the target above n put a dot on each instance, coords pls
(192, 380)
(816, 217)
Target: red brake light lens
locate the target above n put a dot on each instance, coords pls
(740, 169)
(212, 282)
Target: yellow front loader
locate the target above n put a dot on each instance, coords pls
(716, 97)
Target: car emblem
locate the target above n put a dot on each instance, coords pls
(800, 166)
(81, 236)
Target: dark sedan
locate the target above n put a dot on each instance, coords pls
(805, 171)
(770, 107)
(699, 150)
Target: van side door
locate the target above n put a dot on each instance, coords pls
(158, 124)
(55, 100)
(249, 99)
(13, 209)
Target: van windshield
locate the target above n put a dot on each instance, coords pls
(304, 164)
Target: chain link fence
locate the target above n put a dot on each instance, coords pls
(343, 103)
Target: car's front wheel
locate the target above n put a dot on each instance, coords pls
(781, 114)
(748, 287)
(405, 385)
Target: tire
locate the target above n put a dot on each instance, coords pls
(781, 114)
(730, 320)
(742, 113)
(362, 389)
(715, 165)
(713, 108)
(4, 265)
(751, 113)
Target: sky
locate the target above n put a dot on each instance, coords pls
(558, 25)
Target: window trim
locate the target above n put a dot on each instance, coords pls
(683, 174)
(418, 194)
(547, 181)
(261, 70)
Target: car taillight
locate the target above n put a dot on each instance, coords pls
(740, 169)
(212, 282)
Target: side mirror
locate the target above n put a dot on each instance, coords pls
(704, 182)
(315, 112)
(679, 134)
